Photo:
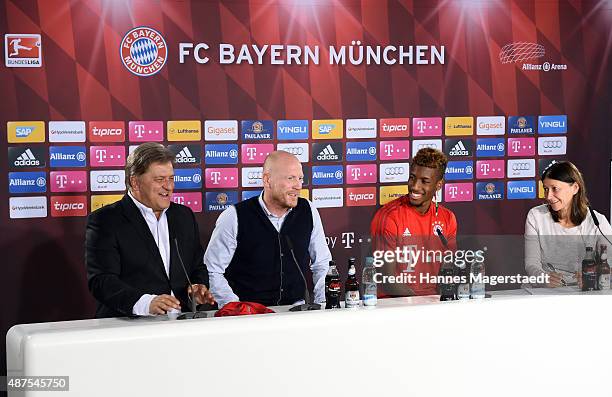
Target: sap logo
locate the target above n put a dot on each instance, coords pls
(24, 132)
(459, 170)
(325, 128)
(521, 190)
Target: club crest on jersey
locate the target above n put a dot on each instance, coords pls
(437, 226)
(143, 51)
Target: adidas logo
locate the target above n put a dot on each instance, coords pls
(27, 159)
(459, 150)
(185, 156)
(406, 233)
(327, 154)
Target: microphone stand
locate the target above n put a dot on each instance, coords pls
(309, 305)
(194, 310)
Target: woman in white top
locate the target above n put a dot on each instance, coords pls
(558, 232)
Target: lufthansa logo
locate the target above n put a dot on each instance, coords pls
(108, 178)
(395, 171)
(552, 144)
(521, 166)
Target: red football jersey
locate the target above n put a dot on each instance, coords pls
(399, 224)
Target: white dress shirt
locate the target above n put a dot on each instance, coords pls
(161, 235)
(546, 241)
(223, 243)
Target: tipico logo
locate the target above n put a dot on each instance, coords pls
(143, 51)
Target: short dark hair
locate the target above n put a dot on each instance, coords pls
(431, 158)
(139, 161)
(567, 172)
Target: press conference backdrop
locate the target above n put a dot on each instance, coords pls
(352, 88)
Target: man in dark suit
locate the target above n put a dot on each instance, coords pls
(133, 264)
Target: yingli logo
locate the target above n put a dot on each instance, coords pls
(68, 206)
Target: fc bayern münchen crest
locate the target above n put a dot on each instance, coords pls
(143, 51)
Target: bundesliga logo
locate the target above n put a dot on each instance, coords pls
(143, 51)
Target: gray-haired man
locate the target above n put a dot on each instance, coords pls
(133, 248)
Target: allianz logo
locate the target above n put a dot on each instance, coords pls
(196, 178)
(328, 154)
(460, 170)
(327, 175)
(26, 159)
(498, 148)
(459, 150)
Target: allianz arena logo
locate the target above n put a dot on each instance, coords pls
(517, 52)
(143, 51)
(523, 51)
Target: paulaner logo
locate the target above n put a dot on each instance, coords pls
(257, 129)
(143, 51)
(490, 190)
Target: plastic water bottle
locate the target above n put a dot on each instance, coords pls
(370, 289)
(477, 287)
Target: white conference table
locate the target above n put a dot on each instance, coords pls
(508, 345)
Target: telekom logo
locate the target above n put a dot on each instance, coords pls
(101, 155)
(251, 153)
(215, 176)
(389, 150)
(459, 191)
(139, 130)
(361, 173)
(516, 146)
(61, 181)
(452, 191)
(484, 169)
(356, 173)
(420, 126)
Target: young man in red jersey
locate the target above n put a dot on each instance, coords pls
(416, 221)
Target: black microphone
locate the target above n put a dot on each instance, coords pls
(441, 236)
(308, 305)
(194, 311)
(596, 222)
